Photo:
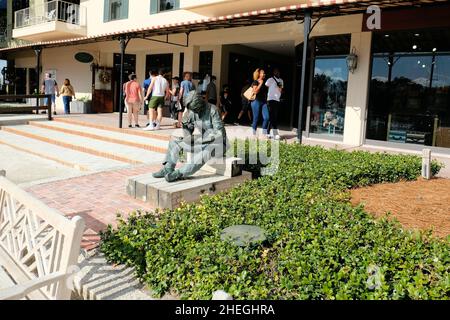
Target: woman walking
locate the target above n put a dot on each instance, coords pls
(67, 92)
(133, 99)
(259, 105)
(174, 103)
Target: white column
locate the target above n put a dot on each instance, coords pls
(191, 59)
(140, 66)
(217, 66)
(27, 86)
(9, 19)
(357, 91)
(176, 64)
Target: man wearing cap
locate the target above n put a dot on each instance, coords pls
(212, 142)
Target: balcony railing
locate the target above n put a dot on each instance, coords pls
(51, 11)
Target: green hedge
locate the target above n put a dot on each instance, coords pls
(318, 247)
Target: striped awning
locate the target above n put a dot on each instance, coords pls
(320, 8)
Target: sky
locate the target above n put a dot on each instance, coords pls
(2, 4)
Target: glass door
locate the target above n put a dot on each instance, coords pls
(329, 93)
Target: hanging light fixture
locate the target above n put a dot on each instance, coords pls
(352, 60)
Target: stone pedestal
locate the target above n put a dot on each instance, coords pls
(161, 194)
(216, 176)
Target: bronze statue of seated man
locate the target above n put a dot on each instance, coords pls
(212, 142)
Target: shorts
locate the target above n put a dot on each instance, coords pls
(156, 102)
(132, 107)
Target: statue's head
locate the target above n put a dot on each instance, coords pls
(194, 102)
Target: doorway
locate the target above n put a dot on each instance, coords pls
(245, 59)
(240, 72)
(155, 62)
(129, 66)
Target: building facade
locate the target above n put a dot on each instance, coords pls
(373, 75)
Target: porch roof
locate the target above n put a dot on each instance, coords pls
(319, 8)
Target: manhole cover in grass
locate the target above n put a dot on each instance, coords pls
(243, 235)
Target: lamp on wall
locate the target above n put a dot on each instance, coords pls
(352, 60)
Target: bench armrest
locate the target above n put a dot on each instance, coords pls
(21, 290)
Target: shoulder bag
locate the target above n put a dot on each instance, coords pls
(249, 94)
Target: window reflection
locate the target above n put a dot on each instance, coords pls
(329, 96)
(409, 93)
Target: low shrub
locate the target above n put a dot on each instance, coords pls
(318, 246)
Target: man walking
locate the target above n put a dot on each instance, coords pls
(145, 86)
(186, 86)
(49, 86)
(159, 90)
(275, 85)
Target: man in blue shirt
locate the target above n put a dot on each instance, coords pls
(146, 85)
(186, 86)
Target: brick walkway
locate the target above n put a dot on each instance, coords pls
(97, 198)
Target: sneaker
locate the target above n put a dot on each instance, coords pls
(269, 136)
(277, 137)
(161, 173)
(150, 127)
(147, 124)
(174, 176)
(130, 126)
(157, 126)
(137, 126)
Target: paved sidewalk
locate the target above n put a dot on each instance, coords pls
(97, 198)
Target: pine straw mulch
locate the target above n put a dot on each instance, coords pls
(422, 204)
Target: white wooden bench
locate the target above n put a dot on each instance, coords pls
(39, 247)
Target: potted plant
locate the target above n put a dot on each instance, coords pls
(81, 105)
(32, 101)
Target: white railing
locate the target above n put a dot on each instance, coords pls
(39, 247)
(51, 11)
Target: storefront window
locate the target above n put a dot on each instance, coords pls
(329, 86)
(409, 91)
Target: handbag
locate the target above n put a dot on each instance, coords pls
(178, 106)
(249, 94)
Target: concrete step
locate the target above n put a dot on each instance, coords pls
(161, 194)
(91, 146)
(14, 120)
(71, 158)
(147, 143)
(134, 132)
